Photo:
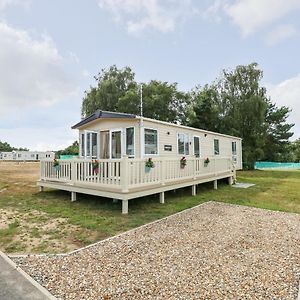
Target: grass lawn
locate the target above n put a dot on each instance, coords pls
(33, 222)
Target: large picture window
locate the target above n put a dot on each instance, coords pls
(183, 144)
(150, 141)
(130, 141)
(216, 147)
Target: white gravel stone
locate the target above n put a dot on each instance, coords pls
(213, 251)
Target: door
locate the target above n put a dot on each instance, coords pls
(116, 143)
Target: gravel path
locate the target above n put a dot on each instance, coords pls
(213, 251)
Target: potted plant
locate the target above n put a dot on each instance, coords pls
(56, 164)
(95, 166)
(206, 162)
(182, 162)
(149, 164)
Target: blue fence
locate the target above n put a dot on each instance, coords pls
(276, 165)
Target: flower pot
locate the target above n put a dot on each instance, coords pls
(205, 165)
(56, 168)
(96, 170)
(147, 169)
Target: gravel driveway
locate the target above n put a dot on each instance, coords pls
(213, 251)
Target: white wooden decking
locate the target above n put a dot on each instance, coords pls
(125, 178)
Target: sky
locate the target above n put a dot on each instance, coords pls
(50, 52)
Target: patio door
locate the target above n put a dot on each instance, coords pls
(116, 143)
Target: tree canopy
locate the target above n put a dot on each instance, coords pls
(6, 147)
(117, 90)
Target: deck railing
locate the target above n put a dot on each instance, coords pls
(127, 173)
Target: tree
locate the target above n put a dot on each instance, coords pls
(206, 110)
(70, 150)
(6, 147)
(239, 106)
(117, 91)
(112, 85)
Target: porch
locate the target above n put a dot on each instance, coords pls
(127, 178)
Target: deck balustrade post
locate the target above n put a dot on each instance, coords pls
(163, 171)
(215, 184)
(194, 167)
(41, 188)
(124, 174)
(73, 171)
(230, 180)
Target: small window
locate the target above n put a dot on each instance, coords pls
(216, 147)
(130, 141)
(151, 141)
(197, 146)
(233, 148)
(183, 144)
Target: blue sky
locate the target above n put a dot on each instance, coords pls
(50, 51)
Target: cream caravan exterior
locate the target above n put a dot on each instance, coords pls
(114, 153)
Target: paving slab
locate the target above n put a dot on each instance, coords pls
(15, 284)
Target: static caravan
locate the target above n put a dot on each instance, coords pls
(26, 155)
(125, 156)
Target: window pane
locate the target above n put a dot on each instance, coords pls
(186, 144)
(94, 144)
(82, 145)
(104, 144)
(130, 141)
(180, 140)
(216, 147)
(116, 144)
(88, 144)
(150, 141)
(233, 147)
(196, 146)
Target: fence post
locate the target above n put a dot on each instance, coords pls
(194, 167)
(73, 171)
(124, 174)
(163, 171)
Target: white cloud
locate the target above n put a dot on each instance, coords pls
(281, 33)
(287, 93)
(253, 15)
(31, 71)
(140, 15)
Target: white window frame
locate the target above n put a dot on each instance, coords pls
(125, 141)
(143, 142)
(215, 139)
(85, 144)
(188, 140)
(200, 152)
